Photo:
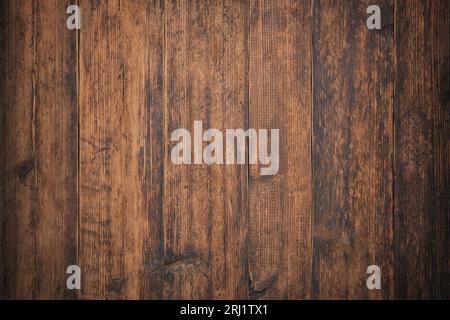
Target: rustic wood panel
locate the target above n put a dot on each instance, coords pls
(205, 211)
(152, 155)
(38, 117)
(352, 149)
(121, 149)
(422, 155)
(280, 98)
(86, 175)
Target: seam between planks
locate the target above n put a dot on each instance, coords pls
(311, 156)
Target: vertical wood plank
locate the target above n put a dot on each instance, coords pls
(422, 158)
(17, 159)
(39, 167)
(205, 217)
(280, 98)
(121, 149)
(353, 149)
(151, 156)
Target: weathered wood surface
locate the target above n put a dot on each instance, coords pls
(86, 176)
(352, 149)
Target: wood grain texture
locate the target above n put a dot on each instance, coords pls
(422, 158)
(86, 175)
(353, 150)
(39, 162)
(280, 98)
(205, 211)
(121, 149)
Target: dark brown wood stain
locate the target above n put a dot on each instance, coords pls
(353, 149)
(422, 159)
(86, 176)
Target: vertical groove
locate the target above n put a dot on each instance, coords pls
(78, 75)
(312, 147)
(247, 125)
(165, 147)
(394, 238)
(33, 137)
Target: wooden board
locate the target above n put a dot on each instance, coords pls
(38, 115)
(121, 149)
(422, 153)
(280, 206)
(205, 208)
(353, 149)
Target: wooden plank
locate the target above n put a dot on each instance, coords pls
(39, 167)
(121, 149)
(352, 149)
(16, 119)
(152, 162)
(280, 98)
(205, 213)
(422, 158)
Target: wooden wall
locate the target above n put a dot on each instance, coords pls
(86, 175)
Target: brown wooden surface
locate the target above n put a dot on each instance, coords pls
(39, 121)
(353, 148)
(205, 210)
(121, 145)
(422, 158)
(280, 97)
(86, 176)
